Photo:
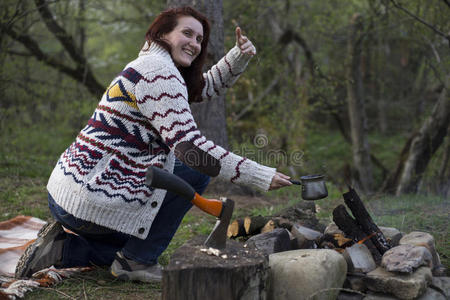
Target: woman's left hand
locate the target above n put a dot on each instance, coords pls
(244, 43)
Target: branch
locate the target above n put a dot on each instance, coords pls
(93, 86)
(437, 31)
(260, 97)
(60, 33)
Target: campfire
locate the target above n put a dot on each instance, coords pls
(291, 255)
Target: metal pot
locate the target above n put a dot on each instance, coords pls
(313, 187)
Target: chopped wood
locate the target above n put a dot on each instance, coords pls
(270, 225)
(253, 225)
(363, 218)
(236, 229)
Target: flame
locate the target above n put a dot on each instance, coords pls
(366, 238)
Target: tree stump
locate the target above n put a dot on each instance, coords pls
(235, 273)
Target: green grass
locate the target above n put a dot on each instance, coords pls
(28, 157)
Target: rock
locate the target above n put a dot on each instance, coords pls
(274, 241)
(424, 239)
(377, 296)
(303, 213)
(440, 271)
(332, 229)
(355, 282)
(442, 284)
(403, 286)
(305, 237)
(349, 296)
(392, 235)
(406, 258)
(298, 274)
(359, 259)
(432, 294)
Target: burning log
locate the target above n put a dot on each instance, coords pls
(352, 229)
(363, 218)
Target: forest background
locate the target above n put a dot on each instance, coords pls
(356, 89)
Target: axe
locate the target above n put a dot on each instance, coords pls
(160, 179)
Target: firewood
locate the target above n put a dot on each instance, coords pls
(236, 229)
(253, 225)
(363, 218)
(351, 229)
(270, 225)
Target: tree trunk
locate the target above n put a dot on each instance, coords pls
(355, 96)
(235, 273)
(424, 144)
(210, 116)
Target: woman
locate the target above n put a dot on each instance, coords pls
(97, 188)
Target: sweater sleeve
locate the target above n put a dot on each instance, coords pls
(162, 97)
(225, 73)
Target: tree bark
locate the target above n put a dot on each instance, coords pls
(210, 116)
(424, 144)
(355, 96)
(236, 273)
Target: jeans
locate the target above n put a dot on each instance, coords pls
(98, 245)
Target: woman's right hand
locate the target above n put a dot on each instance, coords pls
(279, 180)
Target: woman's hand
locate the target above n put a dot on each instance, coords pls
(279, 180)
(244, 43)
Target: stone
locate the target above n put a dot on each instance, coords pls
(355, 282)
(349, 296)
(432, 294)
(418, 238)
(306, 237)
(332, 229)
(359, 259)
(402, 286)
(406, 258)
(274, 241)
(442, 284)
(392, 235)
(306, 274)
(377, 296)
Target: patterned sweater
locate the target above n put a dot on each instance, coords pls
(142, 120)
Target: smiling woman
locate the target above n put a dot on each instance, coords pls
(185, 41)
(143, 120)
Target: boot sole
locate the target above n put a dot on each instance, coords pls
(22, 268)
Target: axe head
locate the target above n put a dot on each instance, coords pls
(218, 236)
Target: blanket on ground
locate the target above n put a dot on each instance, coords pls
(15, 236)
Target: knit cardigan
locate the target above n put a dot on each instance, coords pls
(142, 117)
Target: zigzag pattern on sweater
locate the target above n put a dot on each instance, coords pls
(142, 117)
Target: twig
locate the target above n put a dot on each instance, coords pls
(421, 20)
(61, 293)
(84, 291)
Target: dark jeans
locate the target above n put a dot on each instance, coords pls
(97, 245)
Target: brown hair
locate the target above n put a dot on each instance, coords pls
(164, 23)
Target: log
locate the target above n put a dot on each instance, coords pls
(236, 273)
(270, 225)
(351, 229)
(363, 218)
(253, 225)
(236, 229)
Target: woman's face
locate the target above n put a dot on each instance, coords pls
(185, 40)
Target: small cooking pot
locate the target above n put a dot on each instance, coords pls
(313, 187)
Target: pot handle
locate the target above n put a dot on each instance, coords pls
(297, 182)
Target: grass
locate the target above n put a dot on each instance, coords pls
(31, 156)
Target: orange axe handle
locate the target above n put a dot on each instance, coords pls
(210, 206)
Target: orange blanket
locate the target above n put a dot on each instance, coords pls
(15, 235)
